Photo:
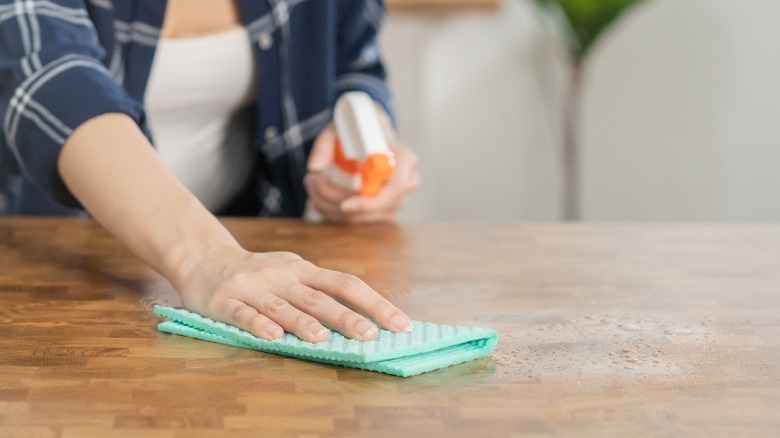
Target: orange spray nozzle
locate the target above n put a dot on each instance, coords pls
(362, 149)
(375, 171)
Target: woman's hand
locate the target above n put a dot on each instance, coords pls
(111, 168)
(339, 204)
(267, 294)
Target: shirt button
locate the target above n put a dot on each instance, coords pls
(271, 133)
(266, 41)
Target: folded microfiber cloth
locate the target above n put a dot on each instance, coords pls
(426, 348)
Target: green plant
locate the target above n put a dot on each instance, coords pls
(585, 20)
(582, 23)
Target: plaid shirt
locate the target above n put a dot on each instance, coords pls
(63, 62)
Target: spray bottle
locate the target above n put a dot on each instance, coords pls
(362, 158)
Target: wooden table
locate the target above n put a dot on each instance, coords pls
(604, 330)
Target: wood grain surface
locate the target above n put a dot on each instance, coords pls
(440, 5)
(605, 330)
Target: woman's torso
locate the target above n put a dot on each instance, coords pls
(198, 96)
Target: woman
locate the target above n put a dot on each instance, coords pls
(234, 94)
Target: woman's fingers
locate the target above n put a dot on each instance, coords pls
(331, 313)
(339, 204)
(321, 155)
(386, 204)
(267, 294)
(325, 196)
(247, 318)
(320, 187)
(388, 200)
(290, 318)
(356, 294)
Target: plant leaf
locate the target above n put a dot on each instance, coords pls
(587, 19)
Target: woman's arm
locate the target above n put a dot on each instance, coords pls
(341, 205)
(109, 166)
(359, 67)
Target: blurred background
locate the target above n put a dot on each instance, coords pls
(679, 118)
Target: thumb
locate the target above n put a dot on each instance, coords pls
(321, 155)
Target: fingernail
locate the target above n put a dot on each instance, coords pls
(402, 323)
(365, 329)
(318, 330)
(274, 330)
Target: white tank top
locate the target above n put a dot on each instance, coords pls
(197, 103)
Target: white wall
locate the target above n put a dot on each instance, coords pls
(472, 104)
(682, 113)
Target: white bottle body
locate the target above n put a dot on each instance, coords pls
(360, 135)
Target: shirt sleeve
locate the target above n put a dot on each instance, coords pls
(51, 81)
(359, 62)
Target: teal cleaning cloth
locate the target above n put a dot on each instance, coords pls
(426, 348)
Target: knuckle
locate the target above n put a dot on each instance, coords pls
(312, 298)
(240, 312)
(348, 282)
(302, 320)
(301, 265)
(345, 317)
(235, 312)
(381, 307)
(275, 306)
(257, 322)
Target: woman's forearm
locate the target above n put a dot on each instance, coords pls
(111, 168)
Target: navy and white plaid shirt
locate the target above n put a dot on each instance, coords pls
(63, 62)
